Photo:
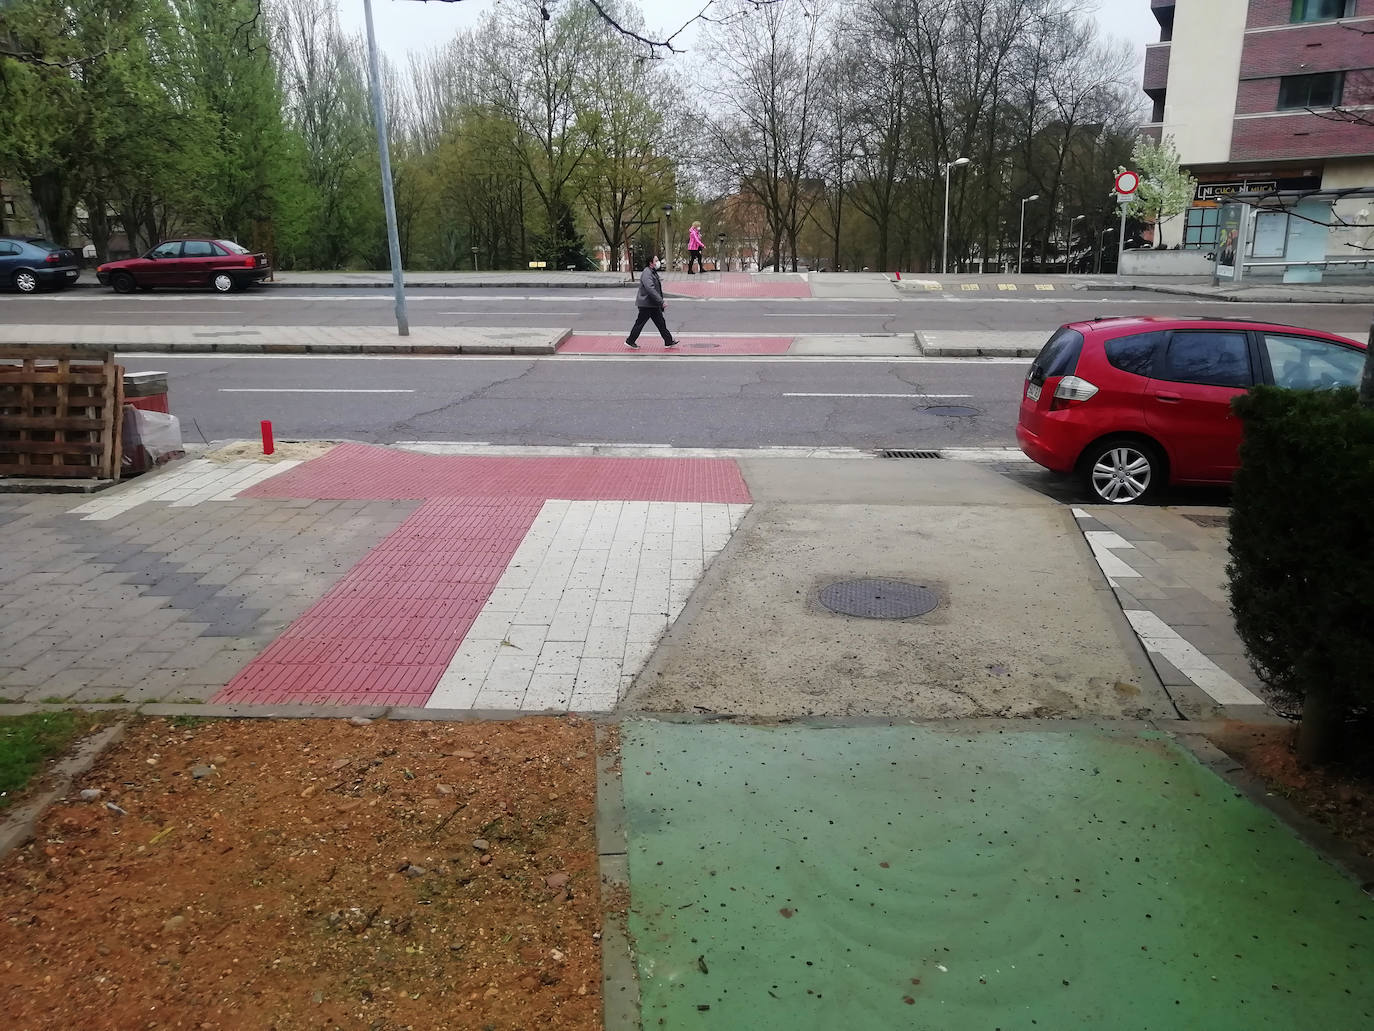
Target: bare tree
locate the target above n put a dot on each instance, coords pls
(764, 119)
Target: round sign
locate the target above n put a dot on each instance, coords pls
(1127, 182)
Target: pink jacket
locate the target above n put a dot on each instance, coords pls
(694, 239)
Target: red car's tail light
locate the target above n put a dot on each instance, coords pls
(1071, 388)
(250, 262)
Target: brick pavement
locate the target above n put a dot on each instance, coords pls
(161, 603)
(1168, 570)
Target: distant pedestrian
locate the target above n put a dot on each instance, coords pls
(651, 305)
(694, 248)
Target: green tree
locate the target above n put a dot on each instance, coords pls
(1165, 189)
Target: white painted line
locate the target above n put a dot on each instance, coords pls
(1079, 513)
(827, 315)
(1107, 539)
(1160, 638)
(304, 390)
(815, 359)
(508, 314)
(877, 395)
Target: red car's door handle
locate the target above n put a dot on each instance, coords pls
(1170, 398)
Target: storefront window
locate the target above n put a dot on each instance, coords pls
(1200, 229)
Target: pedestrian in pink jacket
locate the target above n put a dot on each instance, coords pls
(694, 248)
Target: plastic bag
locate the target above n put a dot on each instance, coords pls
(150, 438)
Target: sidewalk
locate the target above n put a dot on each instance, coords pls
(979, 815)
(289, 339)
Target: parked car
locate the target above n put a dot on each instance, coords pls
(1133, 404)
(30, 263)
(221, 264)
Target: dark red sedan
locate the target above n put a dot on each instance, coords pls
(1132, 404)
(221, 264)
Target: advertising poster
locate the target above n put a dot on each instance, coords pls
(1230, 247)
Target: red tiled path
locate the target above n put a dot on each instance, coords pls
(651, 344)
(737, 284)
(385, 633)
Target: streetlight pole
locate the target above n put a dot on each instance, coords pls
(944, 259)
(1021, 246)
(668, 237)
(720, 250)
(474, 259)
(1101, 245)
(374, 76)
(1068, 241)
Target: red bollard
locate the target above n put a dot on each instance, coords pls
(267, 444)
(899, 275)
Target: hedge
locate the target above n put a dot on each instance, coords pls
(1302, 550)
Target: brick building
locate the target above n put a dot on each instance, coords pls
(1264, 94)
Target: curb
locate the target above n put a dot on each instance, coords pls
(619, 972)
(20, 825)
(373, 349)
(445, 284)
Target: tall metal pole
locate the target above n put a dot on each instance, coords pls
(374, 77)
(1121, 240)
(1021, 244)
(944, 259)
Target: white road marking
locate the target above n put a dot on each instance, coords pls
(1160, 638)
(175, 311)
(828, 315)
(879, 395)
(532, 314)
(745, 359)
(305, 390)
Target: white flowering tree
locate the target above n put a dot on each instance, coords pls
(1165, 189)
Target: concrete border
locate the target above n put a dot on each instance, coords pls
(1341, 854)
(619, 971)
(20, 824)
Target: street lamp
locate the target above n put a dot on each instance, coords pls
(944, 262)
(474, 259)
(1021, 247)
(668, 236)
(1068, 240)
(388, 197)
(720, 250)
(1101, 244)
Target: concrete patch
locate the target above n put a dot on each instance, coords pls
(853, 344)
(1016, 635)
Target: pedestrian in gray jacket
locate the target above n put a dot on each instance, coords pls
(651, 305)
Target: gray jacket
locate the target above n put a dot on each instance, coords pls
(650, 290)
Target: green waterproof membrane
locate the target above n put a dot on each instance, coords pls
(920, 877)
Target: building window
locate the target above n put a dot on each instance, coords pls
(1322, 10)
(1322, 90)
(1200, 229)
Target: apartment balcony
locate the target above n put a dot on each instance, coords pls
(1156, 67)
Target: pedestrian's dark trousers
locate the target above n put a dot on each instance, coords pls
(645, 314)
(695, 256)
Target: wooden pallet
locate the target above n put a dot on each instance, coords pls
(61, 412)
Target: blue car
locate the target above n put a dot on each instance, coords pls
(30, 264)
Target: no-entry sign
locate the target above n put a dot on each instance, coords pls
(1127, 182)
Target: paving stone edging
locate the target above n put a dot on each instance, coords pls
(20, 824)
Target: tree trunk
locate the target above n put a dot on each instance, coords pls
(1319, 734)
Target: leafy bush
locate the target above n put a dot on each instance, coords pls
(1302, 553)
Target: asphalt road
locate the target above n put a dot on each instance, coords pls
(697, 402)
(608, 311)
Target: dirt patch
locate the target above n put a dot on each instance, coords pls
(314, 874)
(239, 450)
(1341, 800)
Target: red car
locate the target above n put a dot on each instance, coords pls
(1132, 404)
(221, 264)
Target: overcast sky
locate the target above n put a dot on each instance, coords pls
(404, 25)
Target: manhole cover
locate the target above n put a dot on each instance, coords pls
(879, 599)
(953, 411)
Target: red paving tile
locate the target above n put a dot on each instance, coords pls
(361, 471)
(371, 640)
(651, 345)
(386, 632)
(737, 284)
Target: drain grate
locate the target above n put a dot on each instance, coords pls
(890, 453)
(953, 411)
(1209, 521)
(879, 599)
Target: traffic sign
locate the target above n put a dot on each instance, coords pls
(1127, 182)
